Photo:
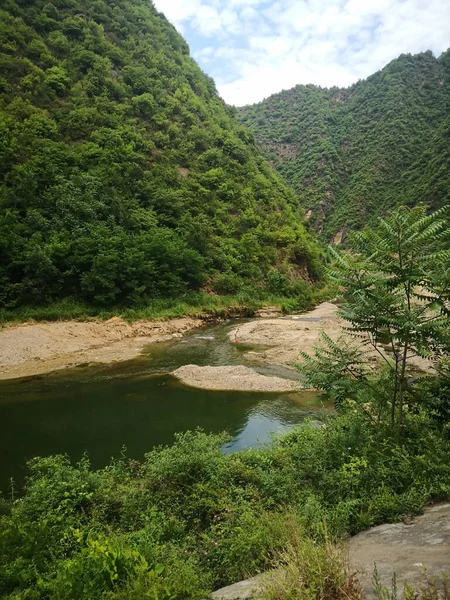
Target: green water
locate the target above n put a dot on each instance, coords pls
(138, 405)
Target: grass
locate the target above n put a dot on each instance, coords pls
(307, 570)
(431, 587)
(194, 304)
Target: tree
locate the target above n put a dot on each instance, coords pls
(123, 169)
(396, 290)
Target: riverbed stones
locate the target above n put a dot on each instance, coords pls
(233, 378)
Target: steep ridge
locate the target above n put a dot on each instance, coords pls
(123, 174)
(351, 154)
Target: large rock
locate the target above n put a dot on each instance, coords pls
(400, 548)
(404, 549)
(243, 590)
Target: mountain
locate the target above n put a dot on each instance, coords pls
(351, 154)
(123, 174)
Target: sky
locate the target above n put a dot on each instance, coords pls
(255, 48)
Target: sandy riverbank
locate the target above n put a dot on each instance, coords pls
(33, 349)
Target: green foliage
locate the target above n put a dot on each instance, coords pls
(396, 296)
(435, 391)
(306, 570)
(125, 178)
(189, 518)
(227, 283)
(430, 587)
(244, 303)
(352, 154)
(336, 368)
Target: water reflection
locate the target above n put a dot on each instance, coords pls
(101, 409)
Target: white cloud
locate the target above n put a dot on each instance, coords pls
(254, 48)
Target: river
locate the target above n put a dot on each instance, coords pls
(138, 404)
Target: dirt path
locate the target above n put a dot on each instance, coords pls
(32, 349)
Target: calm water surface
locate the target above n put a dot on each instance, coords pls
(137, 404)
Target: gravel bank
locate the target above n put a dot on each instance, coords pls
(233, 378)
(284, 338)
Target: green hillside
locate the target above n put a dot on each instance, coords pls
(351, 154)
(124, 177)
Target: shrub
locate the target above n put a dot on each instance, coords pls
(189, 518)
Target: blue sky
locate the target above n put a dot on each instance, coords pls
(254, 48)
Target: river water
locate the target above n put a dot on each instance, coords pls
(137, 404)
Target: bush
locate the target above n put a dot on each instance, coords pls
(189, 519)
(227, 283)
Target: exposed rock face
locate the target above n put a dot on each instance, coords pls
(243, 590)
(337, 239)
(404, 549)
(233, 378)
(268, 312)
(395, 548)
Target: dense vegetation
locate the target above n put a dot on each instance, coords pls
(124, 177)
(352, 154)
(188, 518)
(127, 182)
(396, 298)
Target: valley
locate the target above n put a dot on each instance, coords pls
(224, 332)
(352, 154)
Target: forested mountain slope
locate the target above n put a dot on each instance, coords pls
(123, 175)
(351, 154)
